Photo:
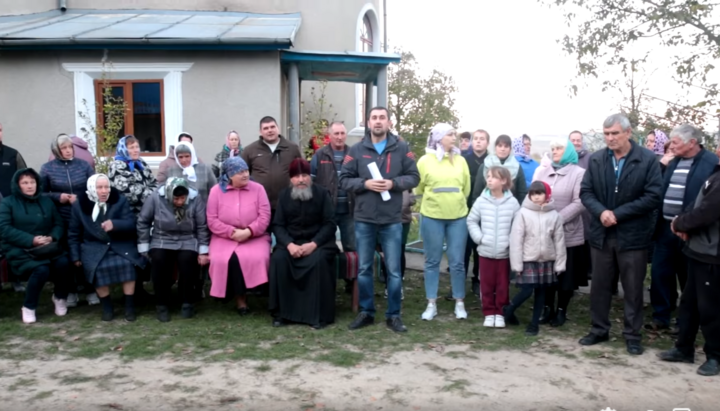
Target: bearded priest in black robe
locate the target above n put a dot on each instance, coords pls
(302, 267)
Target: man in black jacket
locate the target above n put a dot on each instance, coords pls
(684, 177)
(699, 304)
(621, 189)
(10, 162)
(376, 216)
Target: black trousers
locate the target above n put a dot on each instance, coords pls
(631, 266)
(471, 249)
(163, 269)
(55, 271)
(700, 309)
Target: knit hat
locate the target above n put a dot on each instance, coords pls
(548, 191)
(535, 188)
(299, 166)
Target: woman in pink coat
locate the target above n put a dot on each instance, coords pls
(238, 214)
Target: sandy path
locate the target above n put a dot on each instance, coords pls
(444, 378)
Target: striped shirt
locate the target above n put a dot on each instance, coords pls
(673, 201)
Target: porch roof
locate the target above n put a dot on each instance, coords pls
(352, 67)
(149, 29)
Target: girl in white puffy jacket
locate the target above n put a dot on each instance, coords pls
(489, 224)
(537, 252)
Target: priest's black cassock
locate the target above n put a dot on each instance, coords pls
(302, 290)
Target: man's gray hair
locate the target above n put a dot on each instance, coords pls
(687, 132)
(336, 123)
(618, 118)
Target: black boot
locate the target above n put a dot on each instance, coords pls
(547, 315)
(130, 308)
(107, 307)
(163, 314)
(532, 330)
(509, 314)
(559, 319)
(187, 311)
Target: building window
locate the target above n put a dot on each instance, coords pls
(144, 118)
(366, 42)
(366, 35)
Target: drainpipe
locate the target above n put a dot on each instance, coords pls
(385, 26)
(63, 5)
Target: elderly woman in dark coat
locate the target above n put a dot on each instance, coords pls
(30, 229)
(62, 179)
(179, 235)
(102, 238)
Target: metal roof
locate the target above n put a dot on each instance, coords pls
(149, 29)
(348, 66)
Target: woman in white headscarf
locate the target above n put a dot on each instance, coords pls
(102, 237)
(199, 176)
(444, 186)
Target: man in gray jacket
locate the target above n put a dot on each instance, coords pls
(376, 216)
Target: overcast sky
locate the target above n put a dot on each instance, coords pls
(512, 76)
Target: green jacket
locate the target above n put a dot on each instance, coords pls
(24, 217)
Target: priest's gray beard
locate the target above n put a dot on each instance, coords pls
(302, 193)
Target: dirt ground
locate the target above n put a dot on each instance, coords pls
(568, 377)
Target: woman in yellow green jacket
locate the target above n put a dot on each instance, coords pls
(444, 186)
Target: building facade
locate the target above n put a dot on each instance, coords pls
(202, 67)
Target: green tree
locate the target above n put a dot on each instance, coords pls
(316, 117)
(102, 136)
(606, 33)
(417, 102)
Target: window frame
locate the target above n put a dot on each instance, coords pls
(129, 121)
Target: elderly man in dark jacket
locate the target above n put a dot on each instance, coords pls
(684, 177)
(699, 304)
(378, 210)
(621, 189)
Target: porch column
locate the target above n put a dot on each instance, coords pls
(294, 102)
(369, 86)
(382, 87)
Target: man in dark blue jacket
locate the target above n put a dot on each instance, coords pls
(684, 178)
(700, 302)
(621, 189)
(376, 216)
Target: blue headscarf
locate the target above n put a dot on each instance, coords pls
(519, 148)
(122, 154)
(230, 167)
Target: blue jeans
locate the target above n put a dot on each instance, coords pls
(366, 236)
(667, 263)
(434, 232)
(346, 225)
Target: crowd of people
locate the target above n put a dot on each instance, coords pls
(262, 216)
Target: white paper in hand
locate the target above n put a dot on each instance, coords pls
(375, 173)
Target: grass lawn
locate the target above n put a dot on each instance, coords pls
(217, 333)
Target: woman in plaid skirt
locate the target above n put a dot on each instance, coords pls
(103, 241)
(537, 252)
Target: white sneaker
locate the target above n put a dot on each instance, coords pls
(28, 315)
(499, 321)
(92, 299)
(18, 287)
(460, 312)
(430, 312)
(386, 294)
(72, 300)
(489, 321)
(402, 293)
(60, 306)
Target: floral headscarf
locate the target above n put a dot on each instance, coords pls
(57, 143)
(230, 167)
(660, 140)
(122, 154)
(519, 147)
(170, 186)
(237, 151)
(436, 134)
(188, 171)
(93, 195)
